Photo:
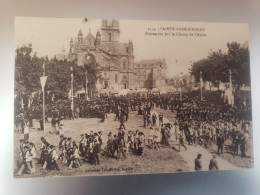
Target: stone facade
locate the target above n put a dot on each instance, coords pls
(116, 59)
(151, 73)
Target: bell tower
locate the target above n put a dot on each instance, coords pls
(110, 31)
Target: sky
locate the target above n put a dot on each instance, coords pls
(180, 43)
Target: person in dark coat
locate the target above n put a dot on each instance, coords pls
(243, 146)
(197, 162)
(220, 142)
(213, 164)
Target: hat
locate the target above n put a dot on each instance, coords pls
(214, 155)
(199, 155)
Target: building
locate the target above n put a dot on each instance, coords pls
(151, 74)
(116, 59)
(186, 82)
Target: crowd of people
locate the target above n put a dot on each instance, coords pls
(196, 122)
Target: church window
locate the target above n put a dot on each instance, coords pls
(116, 78)
(124, 64)
(106, 85)
(124, 79)
(109, 37)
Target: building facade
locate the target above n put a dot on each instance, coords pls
(116, 59)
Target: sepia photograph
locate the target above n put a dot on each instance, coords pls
(97, 97)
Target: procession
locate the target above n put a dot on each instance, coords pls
(194, 125)
(96, 110)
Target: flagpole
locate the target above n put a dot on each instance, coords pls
(201, 97)
(72, 95)
(231, 87)
(86, 92)
(43, 110)
(180, 95)
(43, 101)
(180, 81)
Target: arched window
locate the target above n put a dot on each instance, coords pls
(124, 64)
(116, 78)
(109, 37)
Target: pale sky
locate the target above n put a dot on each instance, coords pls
(50, 35)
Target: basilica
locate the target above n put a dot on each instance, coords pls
(116, 59)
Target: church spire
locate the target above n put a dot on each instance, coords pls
(80, 37)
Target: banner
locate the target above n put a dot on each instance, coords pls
(43, 81)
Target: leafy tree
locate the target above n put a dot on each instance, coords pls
(215, 68)
(93, 70)
(28, 69)
(237, 60)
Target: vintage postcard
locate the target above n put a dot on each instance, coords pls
(117, 97)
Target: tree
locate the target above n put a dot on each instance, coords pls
(215, 68)
(28, 69)
(93, 70)
(238, 62)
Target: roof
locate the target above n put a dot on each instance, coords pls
(115, 47)
(150, 62)
(89, 40)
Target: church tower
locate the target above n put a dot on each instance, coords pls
(71, 45)
(110, 31)
(98, 38)
(80, 37)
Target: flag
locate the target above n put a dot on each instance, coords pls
(26, 132)
(43, 81)
(201, 81)
(69, 95)
(43, 68)
(29, 102)
(71, 72)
